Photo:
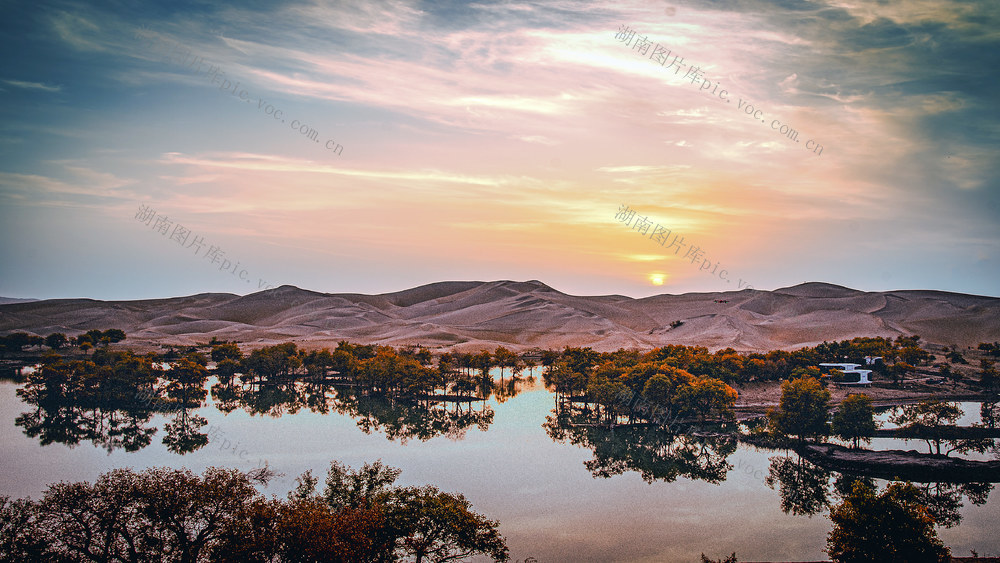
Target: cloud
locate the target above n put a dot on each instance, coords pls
(33, 86)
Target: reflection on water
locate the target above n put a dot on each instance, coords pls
(543, 464)
(801, 485)
(75, 402)
(807, 489)
(651, 451)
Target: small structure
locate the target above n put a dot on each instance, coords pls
(863, 374)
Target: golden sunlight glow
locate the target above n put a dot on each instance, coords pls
(656, 279)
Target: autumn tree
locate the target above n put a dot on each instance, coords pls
(280, 360)
(163, 514)
(855, 419)
(504, 358)
(608, 394)
(420, 522)
(803, 409)
(890, 527)
(707, 395)
(157, 514)
(435, 526)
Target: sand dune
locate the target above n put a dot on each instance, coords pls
(521, 315)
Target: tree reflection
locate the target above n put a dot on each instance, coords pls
(400, 419)
(81, 401)
(653, 452)
(405, 420)
(803, 487)
(182, 435)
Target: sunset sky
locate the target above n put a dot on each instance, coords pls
(497, 140)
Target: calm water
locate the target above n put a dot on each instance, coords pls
(550, 504)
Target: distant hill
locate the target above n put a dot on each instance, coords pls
(6, 300)
(474, 315)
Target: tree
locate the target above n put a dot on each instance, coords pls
(803, 409)
(270, 362)
(439, 527)
(56, 340)
(154, 515)
(608, 393)
(954, 356)
(899, 370)
(226, 351)
(706, 395)
(891, 527)
(422, 522)
(17, 522)
(113, 335)
(94, 336)
(927, 416)
(484, 362)
(855, 419)
(990, 349)
(16, 341)
(914, 355)
(164, 514)
(358, 489)
(506, 359)
(988, 374)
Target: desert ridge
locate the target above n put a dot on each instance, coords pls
(472, 315)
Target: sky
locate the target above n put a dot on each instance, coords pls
(153, 149)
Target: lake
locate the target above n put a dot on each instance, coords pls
(704, 496)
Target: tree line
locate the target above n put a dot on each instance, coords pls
(163, 514)
(18, 341)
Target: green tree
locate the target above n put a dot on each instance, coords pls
(925, 417)
(113, 335)
(855, 419)
(954, 356)
(802, 411)
(17, 341)
(269, 362)
(358, 489)
(891, 527)
(226, 351)
(914, 355)
(56, 340)
(987, 374)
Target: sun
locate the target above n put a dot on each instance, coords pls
(656, 279)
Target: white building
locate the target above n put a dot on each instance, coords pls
(863, 374)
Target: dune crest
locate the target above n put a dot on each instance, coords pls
(472, 315)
